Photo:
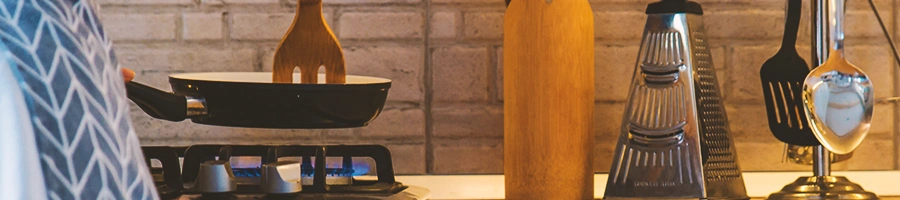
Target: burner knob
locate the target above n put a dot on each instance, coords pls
(215, 176)
(281, 177)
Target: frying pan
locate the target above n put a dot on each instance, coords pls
(250, 99)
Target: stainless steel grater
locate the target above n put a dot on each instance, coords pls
(675, 141)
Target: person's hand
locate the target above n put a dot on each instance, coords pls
(128, 74)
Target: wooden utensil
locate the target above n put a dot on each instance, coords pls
(782, 79)
(307, 45)
(549, 99)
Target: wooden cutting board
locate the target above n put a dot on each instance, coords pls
(549, 99)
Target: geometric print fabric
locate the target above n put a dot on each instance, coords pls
(76, 100)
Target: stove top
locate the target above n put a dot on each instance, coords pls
(276, 172)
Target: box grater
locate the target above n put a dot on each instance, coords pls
(675, 141)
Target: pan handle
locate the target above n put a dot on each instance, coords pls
(157, 103)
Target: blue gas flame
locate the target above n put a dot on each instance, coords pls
(360, 167)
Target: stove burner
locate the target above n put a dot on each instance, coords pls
(333, 176)
(329, 171)
(247, 172)
(315, 176)
(344, 179)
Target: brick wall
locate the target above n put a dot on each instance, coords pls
(444, 114)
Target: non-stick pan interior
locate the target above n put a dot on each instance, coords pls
(266, 77)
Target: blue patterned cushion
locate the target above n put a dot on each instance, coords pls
(71, 82)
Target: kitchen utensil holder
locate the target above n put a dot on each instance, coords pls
(822, 185)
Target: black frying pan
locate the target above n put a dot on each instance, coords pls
(250, 99)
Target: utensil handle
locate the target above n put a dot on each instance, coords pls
(836, 24)
(157, 103)
(791, 24)
(828, 29)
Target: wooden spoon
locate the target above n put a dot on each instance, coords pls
(309, 44)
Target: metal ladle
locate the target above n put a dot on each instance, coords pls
(837, 95)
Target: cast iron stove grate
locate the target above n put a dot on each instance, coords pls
(171, 180)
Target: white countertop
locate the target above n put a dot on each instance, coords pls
(759, 184)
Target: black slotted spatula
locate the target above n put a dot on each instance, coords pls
(782, 79)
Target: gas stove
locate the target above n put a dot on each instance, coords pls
(276, 172)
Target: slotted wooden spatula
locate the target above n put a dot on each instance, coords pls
(307, 45)
(782, 79)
